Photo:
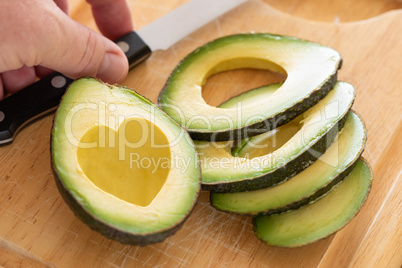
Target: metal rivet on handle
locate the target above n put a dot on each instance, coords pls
(2, 116)
(124, 46)
(58, 81)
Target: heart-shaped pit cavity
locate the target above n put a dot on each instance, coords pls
(132, 164)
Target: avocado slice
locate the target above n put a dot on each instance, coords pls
(311, 73)
(321, 218)
(310, 184)
(310, 135)
(251, 96)
(124, 167)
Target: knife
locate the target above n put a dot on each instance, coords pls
(44, 95)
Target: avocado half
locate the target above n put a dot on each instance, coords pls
(311, 73)
(298, 144)
(307, 186)
(124, 167)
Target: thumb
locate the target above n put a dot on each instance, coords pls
(75, 50)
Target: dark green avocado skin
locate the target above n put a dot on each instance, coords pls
(271, 123)
(283, 173)
(109, 231)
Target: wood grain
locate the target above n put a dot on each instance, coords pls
(36, 222)
(12, 256)
(335, 11)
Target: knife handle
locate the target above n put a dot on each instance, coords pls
(44, 95)
(134, 47)
(29, 103)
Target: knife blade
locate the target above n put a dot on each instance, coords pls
(43, 96)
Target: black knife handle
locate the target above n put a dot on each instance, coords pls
(29, 103)
(134, 47)
(44, 95)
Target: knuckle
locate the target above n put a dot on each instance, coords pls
(88, 63)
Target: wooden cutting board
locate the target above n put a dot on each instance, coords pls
(37, 229)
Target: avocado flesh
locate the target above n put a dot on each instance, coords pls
(272, 139)
(251, 96)
(223, 172)
(321, 218)
(308, 185)
(311, 72)
(88, 111)
(103, 162)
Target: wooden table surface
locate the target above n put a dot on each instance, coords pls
(37, 229)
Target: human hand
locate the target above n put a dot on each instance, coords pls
(38, 36)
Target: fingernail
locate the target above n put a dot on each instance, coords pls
(113, 69)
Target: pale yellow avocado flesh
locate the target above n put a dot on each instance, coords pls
(134, 173)
(273, 139)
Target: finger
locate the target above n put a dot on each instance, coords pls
(63, 45)
(1, 88)
(42, 71)
(63, 5)
(76, 51)
(18, 79)
(85, 52)
(113, 17)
